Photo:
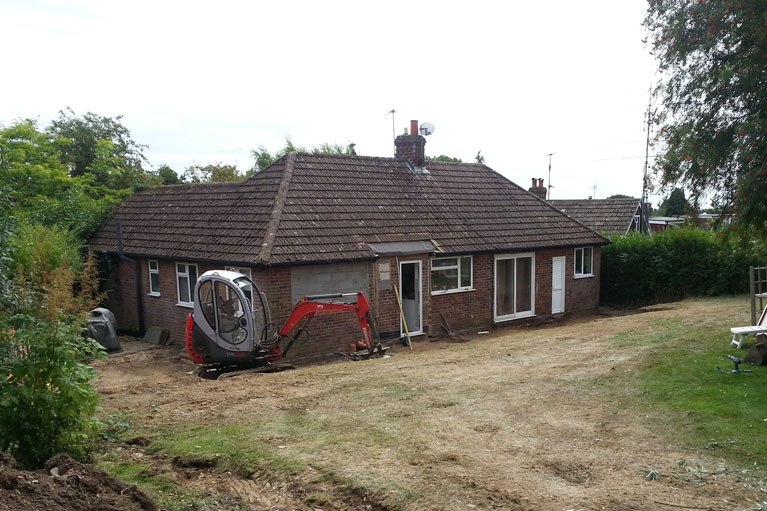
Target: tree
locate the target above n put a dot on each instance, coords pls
(39, 186)
(168, 175)
(713, 56)
(620, 196)
(444, 158)
(263, 158)
(101, 146)
(215, 173)
(675, 205)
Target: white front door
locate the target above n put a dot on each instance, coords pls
(410, 294)
(557, 285)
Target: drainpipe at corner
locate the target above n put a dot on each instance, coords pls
(137, 271)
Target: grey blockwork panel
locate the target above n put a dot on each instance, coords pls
(328, 278)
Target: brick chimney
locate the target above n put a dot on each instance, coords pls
(538, 189)
(411, 146)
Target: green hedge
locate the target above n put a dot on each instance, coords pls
(675, 264)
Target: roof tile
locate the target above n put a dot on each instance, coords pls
(324, 207)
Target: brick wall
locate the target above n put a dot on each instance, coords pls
(164, 311)
(467, 310)
(332, 332)
(125, 299)
(161, 311)
(385, 307)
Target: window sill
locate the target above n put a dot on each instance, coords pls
(452, 291)
(153, 294)
(524, 315)
(187, 305)
(584, 276)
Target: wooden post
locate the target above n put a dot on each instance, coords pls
(753, 294)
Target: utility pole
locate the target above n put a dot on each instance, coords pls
(594, 193)
(393, 135)
(644, 226)
(548, 193)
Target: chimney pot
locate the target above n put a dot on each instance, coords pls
(414, 128)
(538, 189)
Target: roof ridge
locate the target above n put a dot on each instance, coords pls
(279, 205)
(384, 158)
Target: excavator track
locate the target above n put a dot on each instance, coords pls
(220, 371)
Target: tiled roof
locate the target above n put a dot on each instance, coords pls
(610, 216)
(320, 208)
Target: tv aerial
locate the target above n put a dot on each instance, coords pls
(426, 129)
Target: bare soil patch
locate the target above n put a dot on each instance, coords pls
(66, 484)
(526, 419)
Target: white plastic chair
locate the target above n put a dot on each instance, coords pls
(739, 333)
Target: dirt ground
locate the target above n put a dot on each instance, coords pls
(66, 484)
(518, 420)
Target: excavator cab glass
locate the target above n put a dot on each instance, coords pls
(230, 314)
(226, 313)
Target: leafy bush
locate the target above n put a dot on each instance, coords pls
(675, 264)
(36, 251)
(46, 403)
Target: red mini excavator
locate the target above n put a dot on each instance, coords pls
(231, 329)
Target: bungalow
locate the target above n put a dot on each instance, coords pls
(464, 245)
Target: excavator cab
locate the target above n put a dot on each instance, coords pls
(230, 320)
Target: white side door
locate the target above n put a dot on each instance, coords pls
(410, 294)
(557, 285)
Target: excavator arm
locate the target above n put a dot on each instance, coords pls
(308, 306)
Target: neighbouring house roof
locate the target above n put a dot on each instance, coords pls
(609, 216)
(667, 220)
(323, 208)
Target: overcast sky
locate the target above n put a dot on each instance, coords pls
(206, 82)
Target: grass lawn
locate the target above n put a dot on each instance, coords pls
(597, 412)
(696, 404)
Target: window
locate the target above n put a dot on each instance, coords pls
(451, 274)
(154, 278)
(584, 259)
(186, 277)
(247, 289)
(514, 286)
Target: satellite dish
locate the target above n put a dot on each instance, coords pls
(426, 129)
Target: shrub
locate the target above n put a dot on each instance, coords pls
(46, 403)
(675, 264)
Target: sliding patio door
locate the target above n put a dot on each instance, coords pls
(514, 286)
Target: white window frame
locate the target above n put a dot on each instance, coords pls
(185, 274)
(457, 266)
(419, 289)
(519, 315)
(155, 271)
(578, 272)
